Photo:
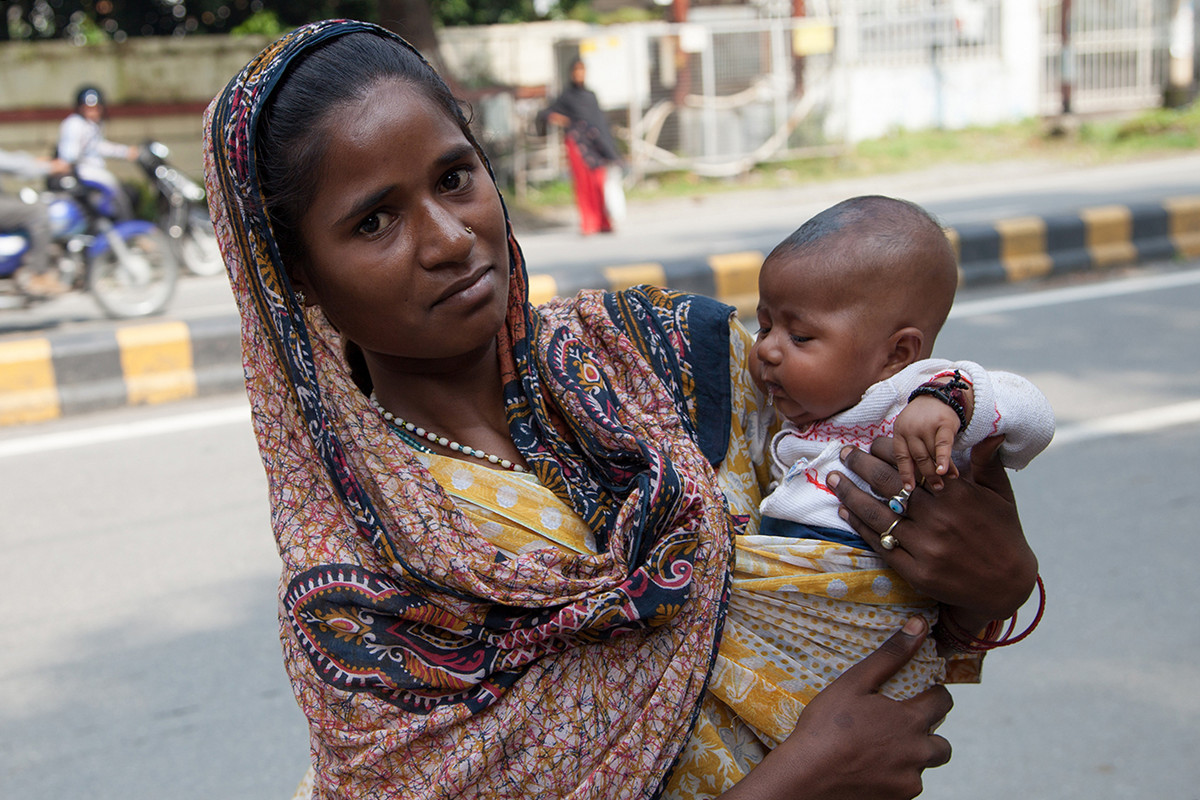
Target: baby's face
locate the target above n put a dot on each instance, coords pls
(818, 347)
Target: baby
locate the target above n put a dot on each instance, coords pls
(849, 307)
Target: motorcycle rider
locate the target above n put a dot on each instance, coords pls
(33, 218)
(81, 143)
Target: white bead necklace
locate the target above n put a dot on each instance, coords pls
(416, 430)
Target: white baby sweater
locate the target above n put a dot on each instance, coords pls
(801, 460)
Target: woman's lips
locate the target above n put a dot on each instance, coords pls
(469, 289)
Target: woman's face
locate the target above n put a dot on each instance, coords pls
(405, 243)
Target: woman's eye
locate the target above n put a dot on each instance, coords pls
(456, 179)
(373, 223)
(798, 339)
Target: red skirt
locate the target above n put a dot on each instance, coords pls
(589, 192)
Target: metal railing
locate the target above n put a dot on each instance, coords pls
(1115, 56)
(717, 98)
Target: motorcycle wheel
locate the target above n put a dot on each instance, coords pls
(197, 247)
(139, 284)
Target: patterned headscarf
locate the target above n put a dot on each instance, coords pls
(429, 663)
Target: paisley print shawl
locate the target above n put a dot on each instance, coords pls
(429, 662)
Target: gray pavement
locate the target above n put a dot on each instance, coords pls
(1012, 221)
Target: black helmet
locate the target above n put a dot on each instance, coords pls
(89, 96)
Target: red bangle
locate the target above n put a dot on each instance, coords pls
(954, 637)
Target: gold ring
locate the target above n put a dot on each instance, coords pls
(886, 540)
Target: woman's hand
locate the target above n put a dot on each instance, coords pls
(962, 545)
(852, 742)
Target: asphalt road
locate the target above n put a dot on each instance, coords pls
(137, 615)
(737, 221)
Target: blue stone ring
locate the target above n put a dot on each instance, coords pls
(899, 503)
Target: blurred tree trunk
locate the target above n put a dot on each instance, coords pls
(413, 19)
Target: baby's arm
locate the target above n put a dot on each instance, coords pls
(926, 428)
(1023, 415)
(994, 403)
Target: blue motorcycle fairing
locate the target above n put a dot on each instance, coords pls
(125, 229)
(12, 250)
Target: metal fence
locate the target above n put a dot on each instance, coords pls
(908, 31)
(720, 100)
(717, 98)
(710, 99)
(1115, 56)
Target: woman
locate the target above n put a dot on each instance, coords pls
(529, 602)
(590, 148)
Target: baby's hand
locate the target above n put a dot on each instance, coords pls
(924, 437)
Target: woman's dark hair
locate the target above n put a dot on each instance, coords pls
(288, 142)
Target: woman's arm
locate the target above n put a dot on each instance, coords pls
(852, 742)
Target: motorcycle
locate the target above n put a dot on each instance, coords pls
(127, 265)
(182, 212)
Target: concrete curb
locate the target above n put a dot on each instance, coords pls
(49, 377)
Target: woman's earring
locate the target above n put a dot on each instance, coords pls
(469, 230)
(300, 298)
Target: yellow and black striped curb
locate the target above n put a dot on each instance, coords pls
(1096, 238)
(134, 364)
(1004, 251)
(155, 362)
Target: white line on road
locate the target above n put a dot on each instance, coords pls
(1144, 421)
(63, 440)
(1074, 294)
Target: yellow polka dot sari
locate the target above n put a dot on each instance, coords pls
(800, 612)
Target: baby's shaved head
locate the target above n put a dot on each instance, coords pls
(890, 256)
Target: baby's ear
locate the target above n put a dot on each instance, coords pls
(904, 347)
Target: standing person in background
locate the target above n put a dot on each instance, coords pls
(81, 143)
(590, 148)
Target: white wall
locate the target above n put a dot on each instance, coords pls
(871, 101)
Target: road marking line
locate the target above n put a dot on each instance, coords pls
(28, 392)
(63, 440)
(1145, 421)
(627, 275)
(1074, 294)
(542, 288)
(1109, 235)
(157, 362)
(1023, 248)
(1151, 419)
